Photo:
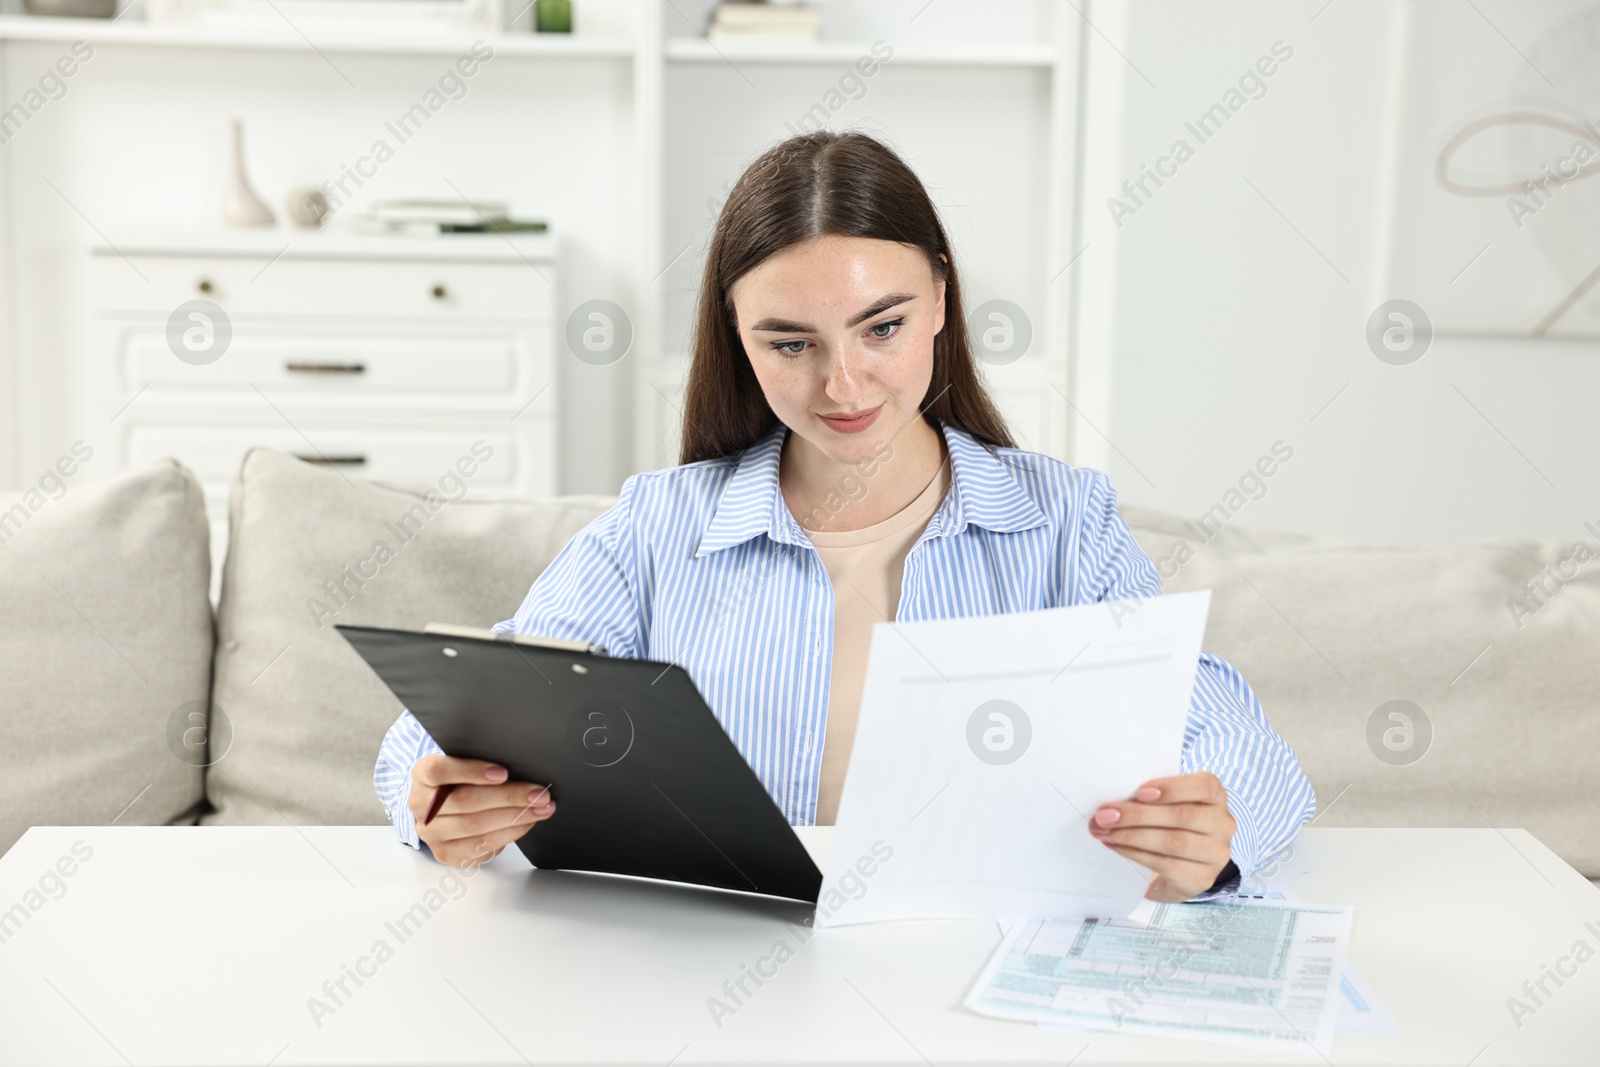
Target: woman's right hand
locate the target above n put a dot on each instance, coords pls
(481, 816)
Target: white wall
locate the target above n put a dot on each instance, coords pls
(1231, 331)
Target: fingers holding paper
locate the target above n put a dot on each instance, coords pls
(1178, 827)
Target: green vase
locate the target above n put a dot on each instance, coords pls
(552, 16)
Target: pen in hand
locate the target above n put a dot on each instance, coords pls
(484, 797)
(438, 802)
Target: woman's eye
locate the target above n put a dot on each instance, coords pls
(783, 346)
(890, 326)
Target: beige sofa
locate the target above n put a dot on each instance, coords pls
(126, 699)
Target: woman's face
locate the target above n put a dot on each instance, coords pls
(842, 326)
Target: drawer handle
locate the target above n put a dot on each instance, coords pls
(439, 292)
(325, 368)
(333, 461)
(204, 285)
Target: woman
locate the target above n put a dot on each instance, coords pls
(841, 465)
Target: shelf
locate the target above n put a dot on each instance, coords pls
(700, 50)
(430, 41)
(281, 242)
(455, 40)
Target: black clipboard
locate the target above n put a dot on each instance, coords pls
(646, 781)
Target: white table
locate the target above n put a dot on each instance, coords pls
(203, 945)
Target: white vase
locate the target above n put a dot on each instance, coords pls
(240, 204)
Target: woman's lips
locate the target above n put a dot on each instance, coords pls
(853, 425)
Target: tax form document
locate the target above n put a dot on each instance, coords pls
(1262, 974)
(983, 746)
(1361, 1011)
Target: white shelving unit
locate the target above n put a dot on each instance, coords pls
(625, 134)
(285, 38)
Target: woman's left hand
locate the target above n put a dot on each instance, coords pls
(1179, 827)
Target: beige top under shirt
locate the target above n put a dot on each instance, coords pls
(865, 567)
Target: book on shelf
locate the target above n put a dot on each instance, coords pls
(755, 20)
(366, 224)
(453, 212)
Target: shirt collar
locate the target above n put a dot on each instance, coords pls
(983, 492)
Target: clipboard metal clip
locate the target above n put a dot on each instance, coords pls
(443, 629)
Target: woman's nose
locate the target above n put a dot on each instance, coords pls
(843, 372)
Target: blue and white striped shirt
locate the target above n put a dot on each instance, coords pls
(703, 565)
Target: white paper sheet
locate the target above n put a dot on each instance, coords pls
(1360, 1010)
(1262, 974)
(984, 745)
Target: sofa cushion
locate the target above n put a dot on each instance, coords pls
(106, 640)
(310, 548)
(1328, 632)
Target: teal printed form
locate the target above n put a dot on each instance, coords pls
(1261, 973)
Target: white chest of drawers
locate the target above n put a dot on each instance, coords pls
(385, 357)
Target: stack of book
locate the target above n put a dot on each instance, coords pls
(736, 21)
(424, 217)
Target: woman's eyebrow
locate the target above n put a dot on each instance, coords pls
(883, 303)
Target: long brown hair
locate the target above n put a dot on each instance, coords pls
(816, 184)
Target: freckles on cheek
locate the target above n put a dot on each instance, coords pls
(912, 362)
(783, 383)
